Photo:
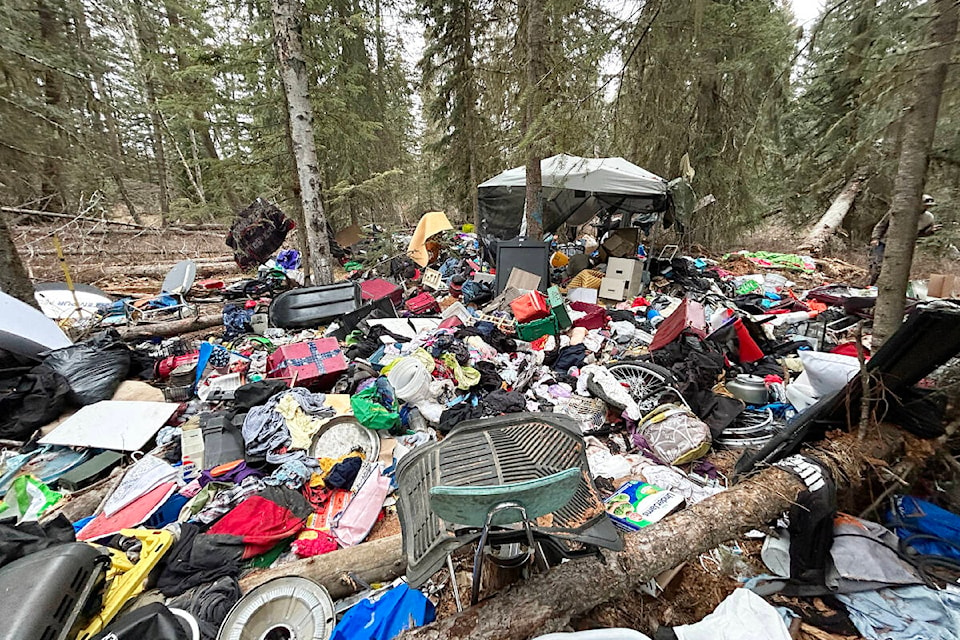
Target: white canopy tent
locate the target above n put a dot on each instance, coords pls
(600, 175)
(574, 191)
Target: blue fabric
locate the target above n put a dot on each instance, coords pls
(162, 301)
(289, 259)
(81, 523)
(904, 613)
(912, 516)
(168, 512)
(386, 618)
(236, 319)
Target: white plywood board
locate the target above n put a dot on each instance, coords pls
(116, 425)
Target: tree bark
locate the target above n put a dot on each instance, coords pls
(470, 123)
(52, 187)
(834, 216)
(293, 72)
(171, 328)
(14, 280)
(920, 124)
(547, 602)
(147, 43)
(101, 106)
(204, 268)
(200, 124)
(533, 203)
(376, 561)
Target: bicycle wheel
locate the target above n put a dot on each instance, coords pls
(642, 380)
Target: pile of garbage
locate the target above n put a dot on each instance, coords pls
(424, 392)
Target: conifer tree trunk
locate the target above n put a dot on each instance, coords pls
(470, 120)
(293, 72)
(147, 43)
(533, 208)
(919, 126)
(200, 125)
(106, 113)
(14, 280)
(52, 188)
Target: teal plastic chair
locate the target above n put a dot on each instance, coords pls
(488, 506)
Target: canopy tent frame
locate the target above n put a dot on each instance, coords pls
(576, 189)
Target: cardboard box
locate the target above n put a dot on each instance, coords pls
(622, 243)
(613, 289)
(629, 270)
(637, 504)
(582, 294)
(315, 364)
(943, 286)
(624, 269)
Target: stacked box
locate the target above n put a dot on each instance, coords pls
(538, 328)
(630, 271)
(316, 363)
(559, 307)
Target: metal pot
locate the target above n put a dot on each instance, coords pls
(750, 389)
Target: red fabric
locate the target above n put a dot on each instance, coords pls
(260, 523)
(321, 544)
(450, 323)
(129, 516)
(749, 350)
(848, 349)
(596, 315)
(688, 318)
(529, 307)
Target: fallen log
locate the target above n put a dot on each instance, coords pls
(376, 561)
(833, 218)
(546, 603)
(118, 223)
(171, 328)
(204, 268)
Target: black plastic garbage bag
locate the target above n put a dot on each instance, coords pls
(25, 538)
(94, 368)
(154, 621)
(31, 401)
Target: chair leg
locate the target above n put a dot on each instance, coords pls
(453, 582)
(478, 554)
(478, 564)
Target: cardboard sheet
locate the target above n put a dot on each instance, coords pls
(110, 424)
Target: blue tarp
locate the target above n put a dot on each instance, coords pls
(399, 609)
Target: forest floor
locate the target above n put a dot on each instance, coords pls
(113, 258)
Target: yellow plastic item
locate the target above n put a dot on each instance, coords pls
(559, 259)
(586, 279)
(124, 578)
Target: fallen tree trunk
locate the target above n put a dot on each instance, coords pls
(834, 216)
(547, 602)
(376, 561)
(204, 267)
(171, 328)
(118, 223)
